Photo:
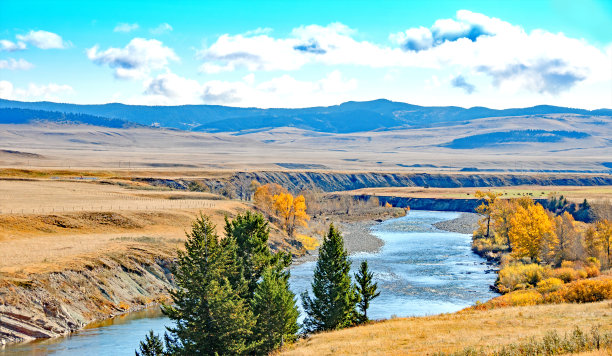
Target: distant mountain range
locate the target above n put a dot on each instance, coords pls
(344, 118)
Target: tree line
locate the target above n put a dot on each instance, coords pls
(232, 295)
(529, 231)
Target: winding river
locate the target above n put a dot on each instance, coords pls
(420, 271)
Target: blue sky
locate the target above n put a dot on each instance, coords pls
(295, 54)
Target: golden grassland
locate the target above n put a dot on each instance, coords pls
(489, 329)
(65, 219)
(574, 193)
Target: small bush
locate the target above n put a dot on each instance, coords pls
(525, 297)
(551, 344)
(521, 276)
(583, 291)
(566, 274)
(549, 285)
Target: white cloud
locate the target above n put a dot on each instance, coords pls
(15, 64)
(43, 40)
(136, 60)
(33, 92)
(282, 91)
(472, 43)
(162, 28)
(126, 27)
(9, 46)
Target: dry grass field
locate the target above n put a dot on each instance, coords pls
(47, 222)
(454, 332)
(408, 150)
(573, 193)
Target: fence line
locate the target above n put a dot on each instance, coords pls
(161, 205)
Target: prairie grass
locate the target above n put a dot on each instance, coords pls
(479, 329)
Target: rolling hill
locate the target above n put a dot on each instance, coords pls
(348, 117)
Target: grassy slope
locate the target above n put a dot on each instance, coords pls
(453, 332)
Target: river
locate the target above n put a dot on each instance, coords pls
(420, 271)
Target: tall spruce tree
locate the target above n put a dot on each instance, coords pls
(334, 297)
(209, 314)
(250, 231)
(367, 290)
(267, 278)
(275, 307)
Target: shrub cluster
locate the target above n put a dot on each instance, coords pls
(550, 344)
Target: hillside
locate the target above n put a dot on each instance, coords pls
(454, 332)
(344, 118)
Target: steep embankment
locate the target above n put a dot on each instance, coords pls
(337, 181)
(59, 299)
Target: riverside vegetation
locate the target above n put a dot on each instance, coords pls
(546, 256)
(233, 295)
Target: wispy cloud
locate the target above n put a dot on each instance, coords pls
(51, 91)
(162, 28)
(126, 27)
(460, 82)
(43, 40)
(15, 64)
(9, 46)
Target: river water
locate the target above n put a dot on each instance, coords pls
(420, 271)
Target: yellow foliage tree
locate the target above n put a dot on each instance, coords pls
(264, 197)
(291, 210)
(565, 229)
(603, 233)
(501, 214)
(486, 207)
(532, 234)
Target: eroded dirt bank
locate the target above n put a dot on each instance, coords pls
(57, 300)
(338, 181)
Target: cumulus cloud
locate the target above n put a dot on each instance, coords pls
(136, 60)
(546, 76)
(162, 28)
(469, 43)
(9, 46)
(468, 25)
(43, 40)
(126, 27)
(33, 92)
(15, 64)
(460, 82)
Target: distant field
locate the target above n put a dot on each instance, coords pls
(574, 193)
(47, 223)
(454, 332)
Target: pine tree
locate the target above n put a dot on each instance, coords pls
(250, 232)
(151, 346)
(276, 310)
(333, 304)
(367, 291)
(210, 316)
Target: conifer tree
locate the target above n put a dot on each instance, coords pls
(151, 346)
(367, 291)
(276, 310)
(250, 232)
(209, 314)
(333, 303)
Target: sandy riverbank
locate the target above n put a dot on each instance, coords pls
(466, 223)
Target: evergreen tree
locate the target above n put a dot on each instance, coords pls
(209, 314)
(250, 232)
(334, 297)
(151, 346)
(367, 291)
(276, 310)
